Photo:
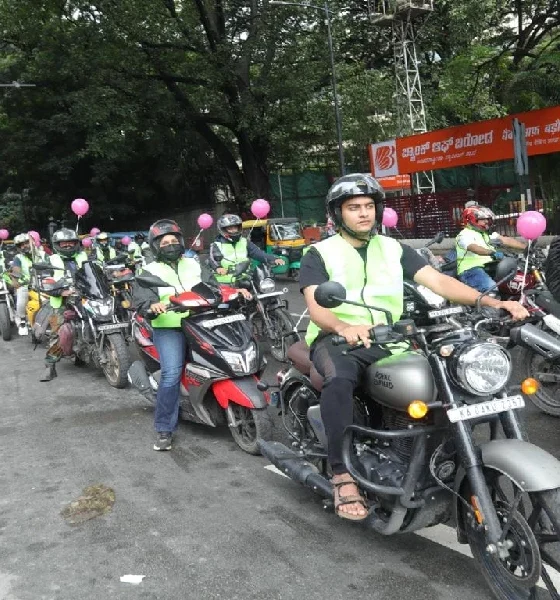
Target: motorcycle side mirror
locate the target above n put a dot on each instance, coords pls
(506, 269)
(330, 294)
(146, 280)
(439, 237)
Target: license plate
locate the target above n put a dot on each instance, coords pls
(112, 326)
(222, 320)
(492, 407)
(445, 312)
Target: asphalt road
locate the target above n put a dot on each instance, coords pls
(204, 521)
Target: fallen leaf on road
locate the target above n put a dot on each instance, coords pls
(96, 500)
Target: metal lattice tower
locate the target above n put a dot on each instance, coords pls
(404, 16)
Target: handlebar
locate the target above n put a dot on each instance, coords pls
(380, 334)
(151, 315)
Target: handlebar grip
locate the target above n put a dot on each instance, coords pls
(151, 315)
(338, 340)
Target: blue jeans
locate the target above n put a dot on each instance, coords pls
(172, 347)
(478, 279)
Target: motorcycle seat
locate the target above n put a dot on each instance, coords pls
(298, 353)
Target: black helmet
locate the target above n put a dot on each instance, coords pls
(66, 235)
(160, 229)
(139, 237)
(226, 221)
(350, 186)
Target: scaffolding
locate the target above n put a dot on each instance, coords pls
(403, 17)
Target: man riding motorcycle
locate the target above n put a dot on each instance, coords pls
(21, 278)
(139, 247)
(68, 257)
(476, 247)
(103, 250)
(230, 248)
(371, 267)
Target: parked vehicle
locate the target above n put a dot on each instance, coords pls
(120, 278)
(7, 309)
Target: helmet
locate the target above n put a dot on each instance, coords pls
(102, 238)
(226, 221)
(21, 238)
(139, 237)
(473, 214)
(160, 229)
(350, 186)
(65, 235)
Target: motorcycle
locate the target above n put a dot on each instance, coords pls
(219, 380)
(267, 313)
(412, 450)
(7, 309)
(120, 277)
(91, 331)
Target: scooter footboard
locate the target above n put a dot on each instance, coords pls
(243, 392)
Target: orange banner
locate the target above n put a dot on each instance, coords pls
(397, 182)
(481, 142)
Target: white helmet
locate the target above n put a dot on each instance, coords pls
(21, 238)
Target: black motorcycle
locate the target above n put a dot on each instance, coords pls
(119, 272)
(412, 449)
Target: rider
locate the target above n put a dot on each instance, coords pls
(167, 244)
(476, 247)
(371, 267)
(21, 278)
(68, 257)
(230, 248)
(103, 250)
(139, 247)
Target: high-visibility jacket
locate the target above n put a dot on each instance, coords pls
(232, 254)
(469, 260)
(59, 263)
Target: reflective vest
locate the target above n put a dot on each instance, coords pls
(469, 260)
(25, 275)
(378, 282)
(136, 250)
(101, 257)
(59, 262)
(186, 276)
(232, 255)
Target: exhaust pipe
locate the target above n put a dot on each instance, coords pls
(534, 338)
(296, 467)
(139, 378)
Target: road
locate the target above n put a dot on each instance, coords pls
(204, 521)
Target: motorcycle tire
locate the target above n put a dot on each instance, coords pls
(283, 323)
(5, 323)
(118, 361)
(252, 424)
(509, 579)
(547, 398)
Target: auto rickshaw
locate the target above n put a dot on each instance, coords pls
(282, 237)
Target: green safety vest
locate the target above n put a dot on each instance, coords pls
(186, 276)
(469, 260)
(26, 262)
(378, 282)
(57, 261)
(136, 250)
(101, 257)
(232, 254)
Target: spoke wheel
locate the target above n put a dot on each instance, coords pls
(117, 361)
(546, 373)
(250, 425)
(5, 323)
(282, 324)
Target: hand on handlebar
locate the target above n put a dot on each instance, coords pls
(221, 271)
(158, 308)
(498, 255)
(516, 310)
(245, 293)
(354, 334)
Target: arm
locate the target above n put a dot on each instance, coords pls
(215, 256)
(458, 292)
(254, 252)
(512, 243)
(480, 250)
(143, 298)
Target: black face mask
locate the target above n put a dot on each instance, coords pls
(171, 253)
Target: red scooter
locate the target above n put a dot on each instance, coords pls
(223, 366)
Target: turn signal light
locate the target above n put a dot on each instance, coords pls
(417, 409)
(530, 386)
(125, 304)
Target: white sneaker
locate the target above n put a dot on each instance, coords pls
(23, 330)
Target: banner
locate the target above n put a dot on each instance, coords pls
(397, 182)
(480, 142)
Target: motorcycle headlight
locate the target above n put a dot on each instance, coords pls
(481, 369)
(242, 363)
(267, 285)
(100, 309)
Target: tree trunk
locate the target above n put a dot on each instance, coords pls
(253, 160)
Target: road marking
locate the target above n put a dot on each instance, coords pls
(447, 537)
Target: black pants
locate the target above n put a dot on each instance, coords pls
(342, 374)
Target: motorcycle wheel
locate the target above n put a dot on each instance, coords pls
(534, 534)
(252, 424)
(118, 361)
(282, 323)
(5, 323)
(547, 397)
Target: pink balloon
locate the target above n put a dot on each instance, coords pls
(94, 231)
(390, 217)
(87, 242)
(79, 207)
(531, 224)
(4, 234)
(260, 208)
(36, 237)
(205, 221)
(126, 240)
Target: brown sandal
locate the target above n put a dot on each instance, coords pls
(342, 500)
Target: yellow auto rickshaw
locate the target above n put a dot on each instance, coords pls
(282, 237)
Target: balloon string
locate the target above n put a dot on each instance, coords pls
(78, 224)
(196, 239)
(525, 272)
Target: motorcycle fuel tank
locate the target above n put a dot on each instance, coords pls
(398, 380)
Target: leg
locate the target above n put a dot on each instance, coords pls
(478, 279)
(171, 346)
(22, 296)
(54, 351)
(341, 374)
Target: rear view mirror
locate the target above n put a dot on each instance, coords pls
(330, 294)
